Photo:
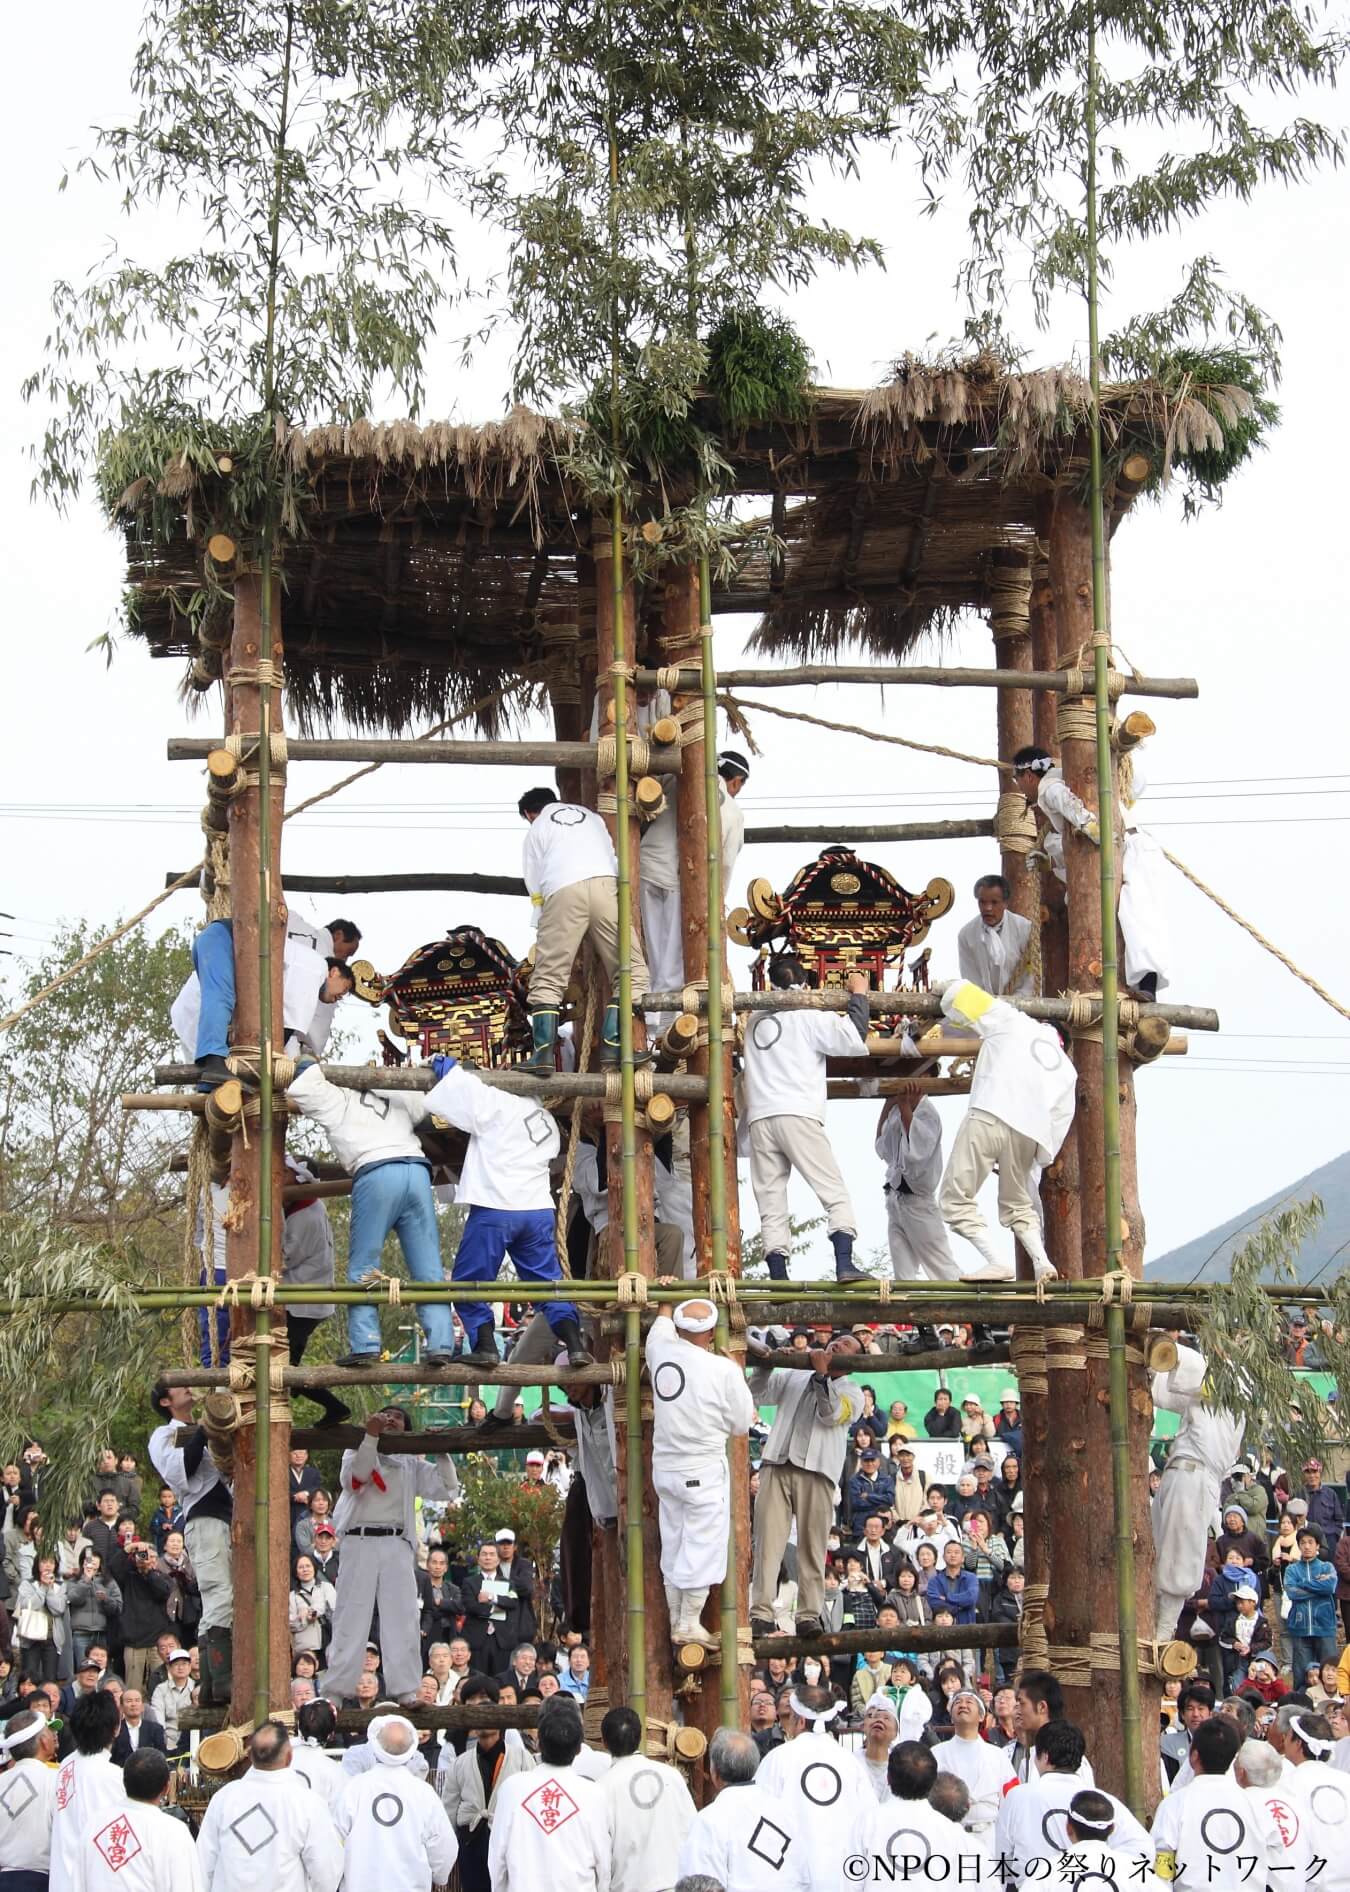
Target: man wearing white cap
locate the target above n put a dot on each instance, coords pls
(746, 1840)
(550, 1831)
(376, 1523)
(799, 1473)
(1259, 1771)
(881, 1731)
(172, 1696)
(909, 1143)
(1207, 1442)
(268, 1831)
(138, 1847)
(396, 1830)
(700, 1400)
(1321, 1794)
(27, 1802)
(823, 1786)
(985, 1769)
(1021, 1106)
(1210, 1834)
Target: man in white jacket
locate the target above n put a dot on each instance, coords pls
(571, 875)
(650, 1808)
(799, 1473)
(830, 1801)
(992, 950)
(268, 1831)
(27, 1801)
(662, 910)
(746, 1840)
(700, 1400)
(88, 1786)
(139, 1848)
(1021, 1106)
(909, 1142)
(373, 1135)
(504, 1184)
(377, 1529)
(785, 1091)
(1207, 1443)
(551, 1828)
(203, 1011)
(397, 1832)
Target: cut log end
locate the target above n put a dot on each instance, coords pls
(221, 547)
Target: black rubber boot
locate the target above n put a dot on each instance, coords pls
(335, 1413)
(924, 1340)
(842, 1243)
(578, 1353)
(484, 1349)
(980, 1337)
(217, 1659)
(777, 1266)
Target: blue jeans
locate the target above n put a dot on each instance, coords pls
(1305, 1651)
(213, 963)
(222, 1319)
(395, 1196)
(527, 1235)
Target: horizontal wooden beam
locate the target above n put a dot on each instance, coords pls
(340, 885)
(987, 1303)
(421, 1077)
(505, 755)
(459, 1441)
(404, 1373)
(523, 1714)
(929, 676)
(918, 1637)
(866, 1087)
(926, 1360)
(847, 833)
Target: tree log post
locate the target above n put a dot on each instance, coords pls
(1084, 1595)
(613, 1562)
(559, 633)
(242, 1251)
(1009, 620)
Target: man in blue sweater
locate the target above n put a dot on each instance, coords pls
(954, 1587)
(1310, 1591)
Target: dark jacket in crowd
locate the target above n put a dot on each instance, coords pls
(943, 1425)
(145, 1596)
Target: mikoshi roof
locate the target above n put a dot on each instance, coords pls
(432, 558)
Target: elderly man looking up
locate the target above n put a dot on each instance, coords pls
(745, 1840)
(397, 1831)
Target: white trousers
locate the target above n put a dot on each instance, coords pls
(663, 936)
(375, 1570)
(918, 1241)
(694, 1514)
(1143, 909)
(1182, 1512)
(983, 1144)
(778, 1145)
(208, 1549)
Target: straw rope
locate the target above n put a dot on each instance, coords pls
(736, 707)
(607, 755)
(262, 1290)
(1076, 720)
(1028, 1361)
(630, 1290)
(1035, 1648)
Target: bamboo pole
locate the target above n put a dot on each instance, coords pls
(636, 1600)
(387, 749)
(793, 676)
(919, 1005)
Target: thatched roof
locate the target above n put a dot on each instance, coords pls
(431, 558)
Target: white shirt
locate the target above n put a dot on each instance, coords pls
(1209, 1434)
(550, 1830)
(785, 1055)
(566, 844)
(700, 1400)
(1022, 1076)
(27, 1804)
(911, 1831)
(660, 842)
(1322, 1794)
(989, 955)
(302, 983)
(137, 1848)
(87, 1785)
(650, 1810)
(1281, 1809)
(397, 1832)
(986, 1771)
(361, 1760)
(381, 1488)
(311, 1764)
(512, 1141)
(828, 1797)
(169, 1461)
(913, 1156)
(317, 938)
(362, 1127)
(748, 1841)
(1032, 1825)
(1061, 808)
(268, 1832)
(591, 1763)
(1212, 1835)
(586, 1188)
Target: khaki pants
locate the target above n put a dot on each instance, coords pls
(669, 1243)
(588, 909)
(982, 1144)
(785, 1492)
(778, 1145)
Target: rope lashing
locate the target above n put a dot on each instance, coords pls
(721, 1288)
(618, 1374)
(691, 996)
(884, 1290)
(1014, 823)
(1009, 601)
(1065, 1350)
(1028, 1361)
(391, 1283)
(265, 675)
(1035, 1647)
(262, 1290)
(630, 1290)
(244, 745)
(1077, 682)
(1118, 1282)
(607, 755)
(644, 1086)
(668, 677)
(1076, 720)
(621, 668)
(283, 1071)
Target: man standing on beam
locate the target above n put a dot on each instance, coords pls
(992, 950)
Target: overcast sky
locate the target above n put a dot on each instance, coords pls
(1252, 787)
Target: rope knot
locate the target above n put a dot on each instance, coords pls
(630, 1290)
(262, 1291)
(721, 1287)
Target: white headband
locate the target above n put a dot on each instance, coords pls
(8, 1742)
(694, 1323)
(1094, 1829)
(1040, 766)
(813, 1714)
(1315, 1745)
(377, 1726)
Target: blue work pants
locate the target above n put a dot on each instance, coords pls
(213, 963)
(527, 1235)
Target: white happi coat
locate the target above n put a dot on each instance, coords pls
(268, 1832)
(1143, 891)
(512, 1141)
(307, 1019)
(699, 1401)
(650, 1810)
(397, 1832)
(1206, 1445)
(990, 955)
(323, 1775)
(785, 1061)
(1211, 1835)
(1292, 1828)
(550, 1833)
(1321, 1793)
(829, 1798)
(87, 1785)
(915, 1230)
(563, 845)
(27, 1805)
(137, 1848)
(1032, 1826)
(1062, 809)
(1023, 1076)
(985, 1769)
(748, 1841)
(911, 1833)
